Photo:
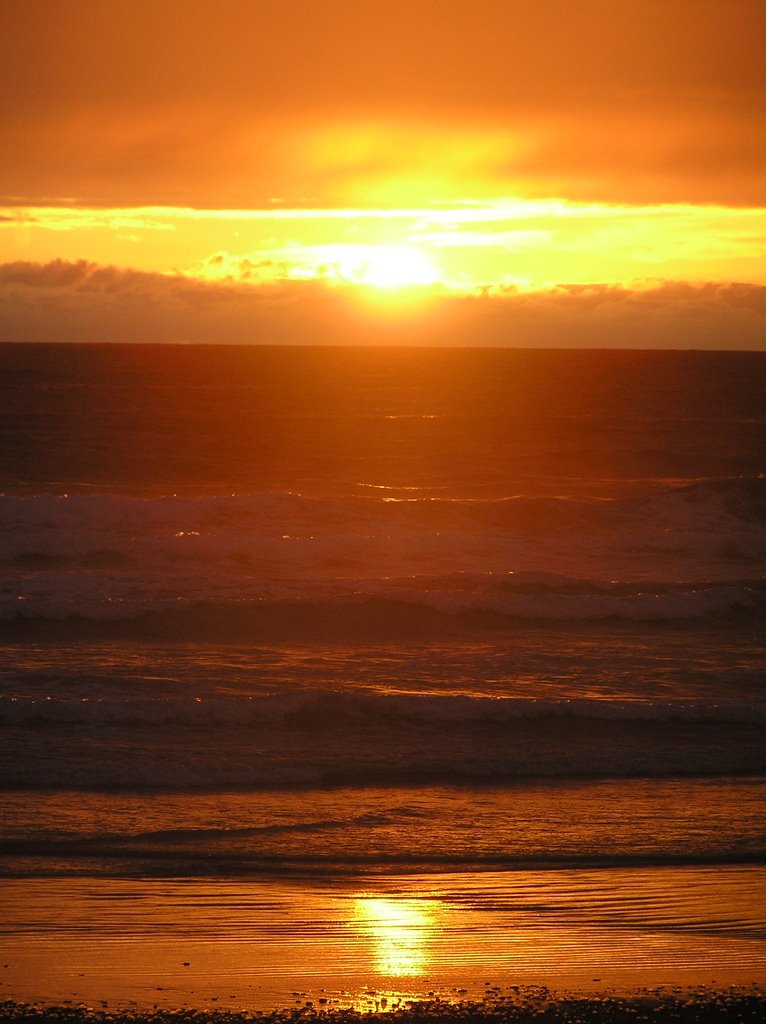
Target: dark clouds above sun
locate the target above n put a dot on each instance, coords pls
(419, 126)
(229, 105)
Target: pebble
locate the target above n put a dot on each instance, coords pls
(518, 1006)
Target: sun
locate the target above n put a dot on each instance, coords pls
(389, 267)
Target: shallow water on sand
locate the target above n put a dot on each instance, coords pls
(384, 830)
(269, 943)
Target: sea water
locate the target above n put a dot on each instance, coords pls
(362, 671)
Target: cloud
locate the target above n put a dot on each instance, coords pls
(470, 243)
(82, 301)
(188, 103)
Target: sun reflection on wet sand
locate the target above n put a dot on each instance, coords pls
(266, 943)
(400, 930)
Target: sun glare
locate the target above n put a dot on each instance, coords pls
(389, 267)
(399, 930)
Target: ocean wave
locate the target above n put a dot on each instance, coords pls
(461, 604)
(315, 708)
(42, 859)
(546, 823)
(280, 536)
(355, 738)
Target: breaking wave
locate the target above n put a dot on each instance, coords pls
(283, 562)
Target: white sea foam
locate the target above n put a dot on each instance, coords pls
(691, 552)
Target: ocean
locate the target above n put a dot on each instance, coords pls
(348, 676)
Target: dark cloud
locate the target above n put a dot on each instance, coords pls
(82, 301)
(57, 274)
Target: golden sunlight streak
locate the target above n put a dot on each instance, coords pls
(399, 930)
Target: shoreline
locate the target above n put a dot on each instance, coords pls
(515, 1005)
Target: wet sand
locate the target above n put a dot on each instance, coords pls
(379, 944)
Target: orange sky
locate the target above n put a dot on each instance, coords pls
(279, 149)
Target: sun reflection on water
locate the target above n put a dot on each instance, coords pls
(399, 930)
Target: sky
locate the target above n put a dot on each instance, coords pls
(499, 172)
